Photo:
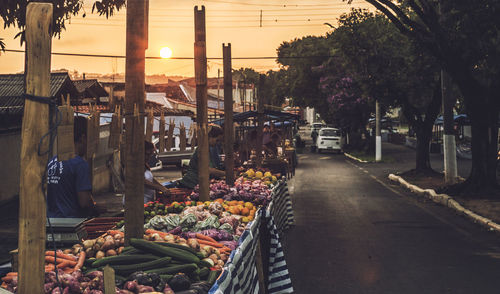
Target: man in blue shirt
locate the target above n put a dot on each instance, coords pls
(69, 190)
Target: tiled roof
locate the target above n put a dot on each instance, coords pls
(12, 89)
(90, 88)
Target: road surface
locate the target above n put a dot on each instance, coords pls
(357, 233)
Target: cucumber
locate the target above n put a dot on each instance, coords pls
(204, 263)
(129, 268)
(204, 272)
(123, 259)
(212, 277)
(200, 256)
(132, 251)
(89, 261)
(157, 249)
(172, 270)
(173, 245)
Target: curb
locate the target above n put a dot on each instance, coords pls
(447, 201)
(355, 158)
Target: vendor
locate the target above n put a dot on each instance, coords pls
(190, 178)
(151, 185)
(69, 188)
(271, 148)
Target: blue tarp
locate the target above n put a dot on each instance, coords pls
(459, 118)
(269, 115)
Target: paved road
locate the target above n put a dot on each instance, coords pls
(356, 233)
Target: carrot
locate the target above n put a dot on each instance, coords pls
(114, 232)
(50, 267)
(81, 259)
(206, 238)
(60, 255)
(66, 263)
(214, 244)
(151, 231)
(4, 285)
(12, 274)
(8, 279)
(68, 270)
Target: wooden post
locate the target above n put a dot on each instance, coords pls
(32, 214)
(170, 135)
(182, 136)
(149, 125)
(109, 280)
(134, 120)
(260, 118)
(161, 138)
(65, 142)
(200, 69)
(115, 131)
(228, 115)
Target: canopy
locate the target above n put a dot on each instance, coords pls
(269, 115)
(459, 119)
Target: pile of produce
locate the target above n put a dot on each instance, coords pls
(244, 190)
(263, 175)
(109, 244)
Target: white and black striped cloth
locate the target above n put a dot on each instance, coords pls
(281, 207)
(239, 274)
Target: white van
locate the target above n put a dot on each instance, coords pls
(329, 139)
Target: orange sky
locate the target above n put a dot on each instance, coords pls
(171, 24)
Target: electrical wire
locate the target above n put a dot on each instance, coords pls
(182, 58)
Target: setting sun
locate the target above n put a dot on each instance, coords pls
(166, 52)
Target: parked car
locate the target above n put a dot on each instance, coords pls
(329, 139)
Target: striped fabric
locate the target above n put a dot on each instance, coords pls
(239, 275)
(240, 272)
(281, 207)
(279, 279)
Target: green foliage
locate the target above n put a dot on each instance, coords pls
(13, 13)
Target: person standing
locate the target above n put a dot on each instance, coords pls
(69, 183)
(151, 185)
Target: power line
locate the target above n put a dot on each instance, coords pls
(268, 5)
(174, 58)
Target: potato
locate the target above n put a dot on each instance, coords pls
(111, 252)
(100, 254)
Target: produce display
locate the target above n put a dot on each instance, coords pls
(184, 248)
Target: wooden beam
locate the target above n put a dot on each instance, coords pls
(170, 135)
(182, 136)
(32, 208)
(109, 280)
(65, 142)
(260, 118)
(228, 115)
(149, 125)
(161, 137)
(200, 69)
(134, 120)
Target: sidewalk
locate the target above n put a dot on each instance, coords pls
(404, 160)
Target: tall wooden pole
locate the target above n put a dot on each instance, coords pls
(200, 69)
(134, 119)
(228, 115)
(32, 207)
(260, 118)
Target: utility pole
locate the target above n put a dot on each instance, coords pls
(261, 18)
(449, 144)
(200, 69)
(228, 115)
(378, 138)
(134, 118)
(32, 214)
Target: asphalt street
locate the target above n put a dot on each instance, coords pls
(355, 232)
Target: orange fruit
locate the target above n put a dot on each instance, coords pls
(245, 211)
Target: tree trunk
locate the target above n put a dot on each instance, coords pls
(423, 163)
(484, 150)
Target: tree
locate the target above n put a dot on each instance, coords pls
(463, 37)
(302, 80)
(13, 13)
(386, 66)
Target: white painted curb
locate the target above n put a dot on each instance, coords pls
(448, 202)
(355, 158)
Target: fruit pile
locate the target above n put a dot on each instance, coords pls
(263, 175)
